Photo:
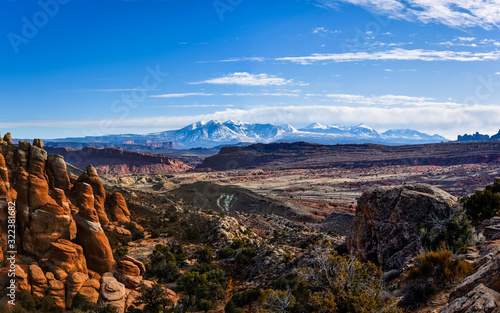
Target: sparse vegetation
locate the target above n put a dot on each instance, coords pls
(333, 284)
(163, 265)
(432, 272)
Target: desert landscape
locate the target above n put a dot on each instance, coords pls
(230, 156)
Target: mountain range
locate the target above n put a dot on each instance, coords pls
(215, 133)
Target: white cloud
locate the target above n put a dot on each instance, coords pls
(195, 106)
(253, 59)
(453, 13)
(390, 100)
(447, 121)
(272, 94)
(397, 54)
(324, 31)
(466, 38)
(112, 90)
(247, 79)
(469, 42)
(182, 95)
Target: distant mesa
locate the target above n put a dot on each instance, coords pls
(120, 162)
(302, 155)
(478, 137)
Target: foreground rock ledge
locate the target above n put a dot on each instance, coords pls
(385, 228)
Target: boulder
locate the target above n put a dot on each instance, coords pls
(129, 272)
(22, 282)
(38, 143)
(488, 274)
(385, 227)
(90, 294)
(57, 293)
(112, 292)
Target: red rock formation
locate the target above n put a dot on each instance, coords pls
(116, 208)
(90, 177)
(90, 233)
(51, 209)
(64, 258)
(57, 172)
(39, 286)
(58, 294)
(129, 272)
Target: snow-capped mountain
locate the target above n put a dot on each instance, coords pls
(216, 133)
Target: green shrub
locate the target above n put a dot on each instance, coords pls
(439, 266)
(120, 252)
(81, 304)
(456, 233)
(25, 302)
(136, 233)
(482, 205)
(162, 265)
(206, 255)
(155, 233)
(244, 298)
(246, 256)
(237, 244)
(203, 285)
(225, 253)
(154, 299)
(193, 233)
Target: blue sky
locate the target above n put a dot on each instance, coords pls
(88, 67)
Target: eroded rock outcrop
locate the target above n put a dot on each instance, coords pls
(90, 234)
(116, 208)
(130, 272)
(385, 228)
(64, 258)
(90, 177)
(39, 286)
